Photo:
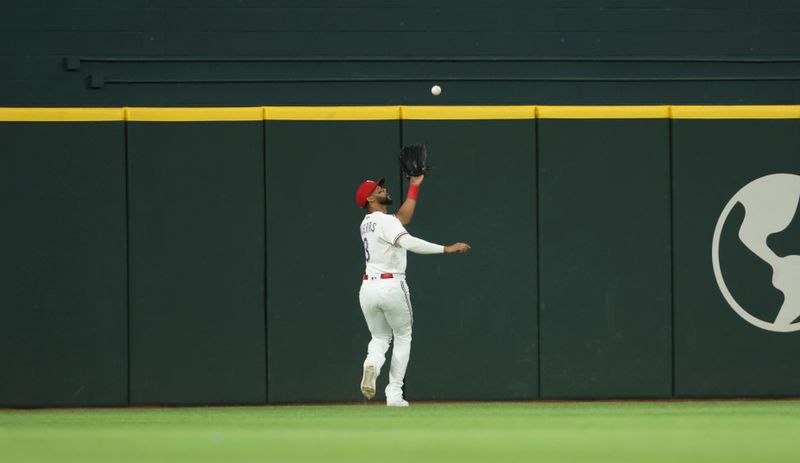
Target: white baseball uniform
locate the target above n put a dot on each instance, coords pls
(384, 296)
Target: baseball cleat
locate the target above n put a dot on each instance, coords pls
(368, 382)
(397, 403)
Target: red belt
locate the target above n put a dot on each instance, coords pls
(384, 276)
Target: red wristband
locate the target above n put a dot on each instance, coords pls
(413, 192)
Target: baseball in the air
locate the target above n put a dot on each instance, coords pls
(436, 90)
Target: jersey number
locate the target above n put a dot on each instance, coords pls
(366, 248)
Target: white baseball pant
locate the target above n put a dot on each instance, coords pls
(386, 304)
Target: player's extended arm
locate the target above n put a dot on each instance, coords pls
(406, 211)
(419, 246)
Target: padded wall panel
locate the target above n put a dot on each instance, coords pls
(475, 314)
(718, 353)
(317, 336)
(605, 294)
(197, 262)
(63, 311)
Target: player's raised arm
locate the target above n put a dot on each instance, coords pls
(406, 211)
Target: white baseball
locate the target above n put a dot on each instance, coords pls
(436, 90)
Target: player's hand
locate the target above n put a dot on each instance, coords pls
(456, 248)
(416, 180)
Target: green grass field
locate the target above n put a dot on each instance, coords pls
(745, 431)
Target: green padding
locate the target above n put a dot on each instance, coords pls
(717, 352)
(197, 263)
(317, 336)
(605, 258)
(475, 314)
(63, 322)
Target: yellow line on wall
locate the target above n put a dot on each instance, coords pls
(736, 112)
(333, 113)
(255, 113)
(467, 112)
(603, 112)
(364, 113)
(61, 114)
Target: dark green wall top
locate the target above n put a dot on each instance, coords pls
(248, 52)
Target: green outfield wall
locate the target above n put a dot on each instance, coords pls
(604, 287)
(186, 256)
(196, 262)
(63, 309)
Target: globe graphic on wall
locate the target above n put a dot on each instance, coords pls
(770, 204)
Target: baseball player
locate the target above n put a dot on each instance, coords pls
(384, 296)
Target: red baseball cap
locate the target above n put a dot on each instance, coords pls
(366, 189)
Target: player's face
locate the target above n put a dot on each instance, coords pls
(382, 195)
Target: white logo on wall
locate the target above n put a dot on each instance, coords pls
(770, 204)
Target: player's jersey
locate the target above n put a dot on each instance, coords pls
(379, 235)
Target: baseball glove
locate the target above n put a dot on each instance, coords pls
(414, 160)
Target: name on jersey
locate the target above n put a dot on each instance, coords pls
(367, 227)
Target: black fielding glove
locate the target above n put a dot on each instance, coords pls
(414, 160)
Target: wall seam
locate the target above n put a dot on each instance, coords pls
(127, 254)
(538, 254)
(671, 169)
(401, 121)
(264, 123)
